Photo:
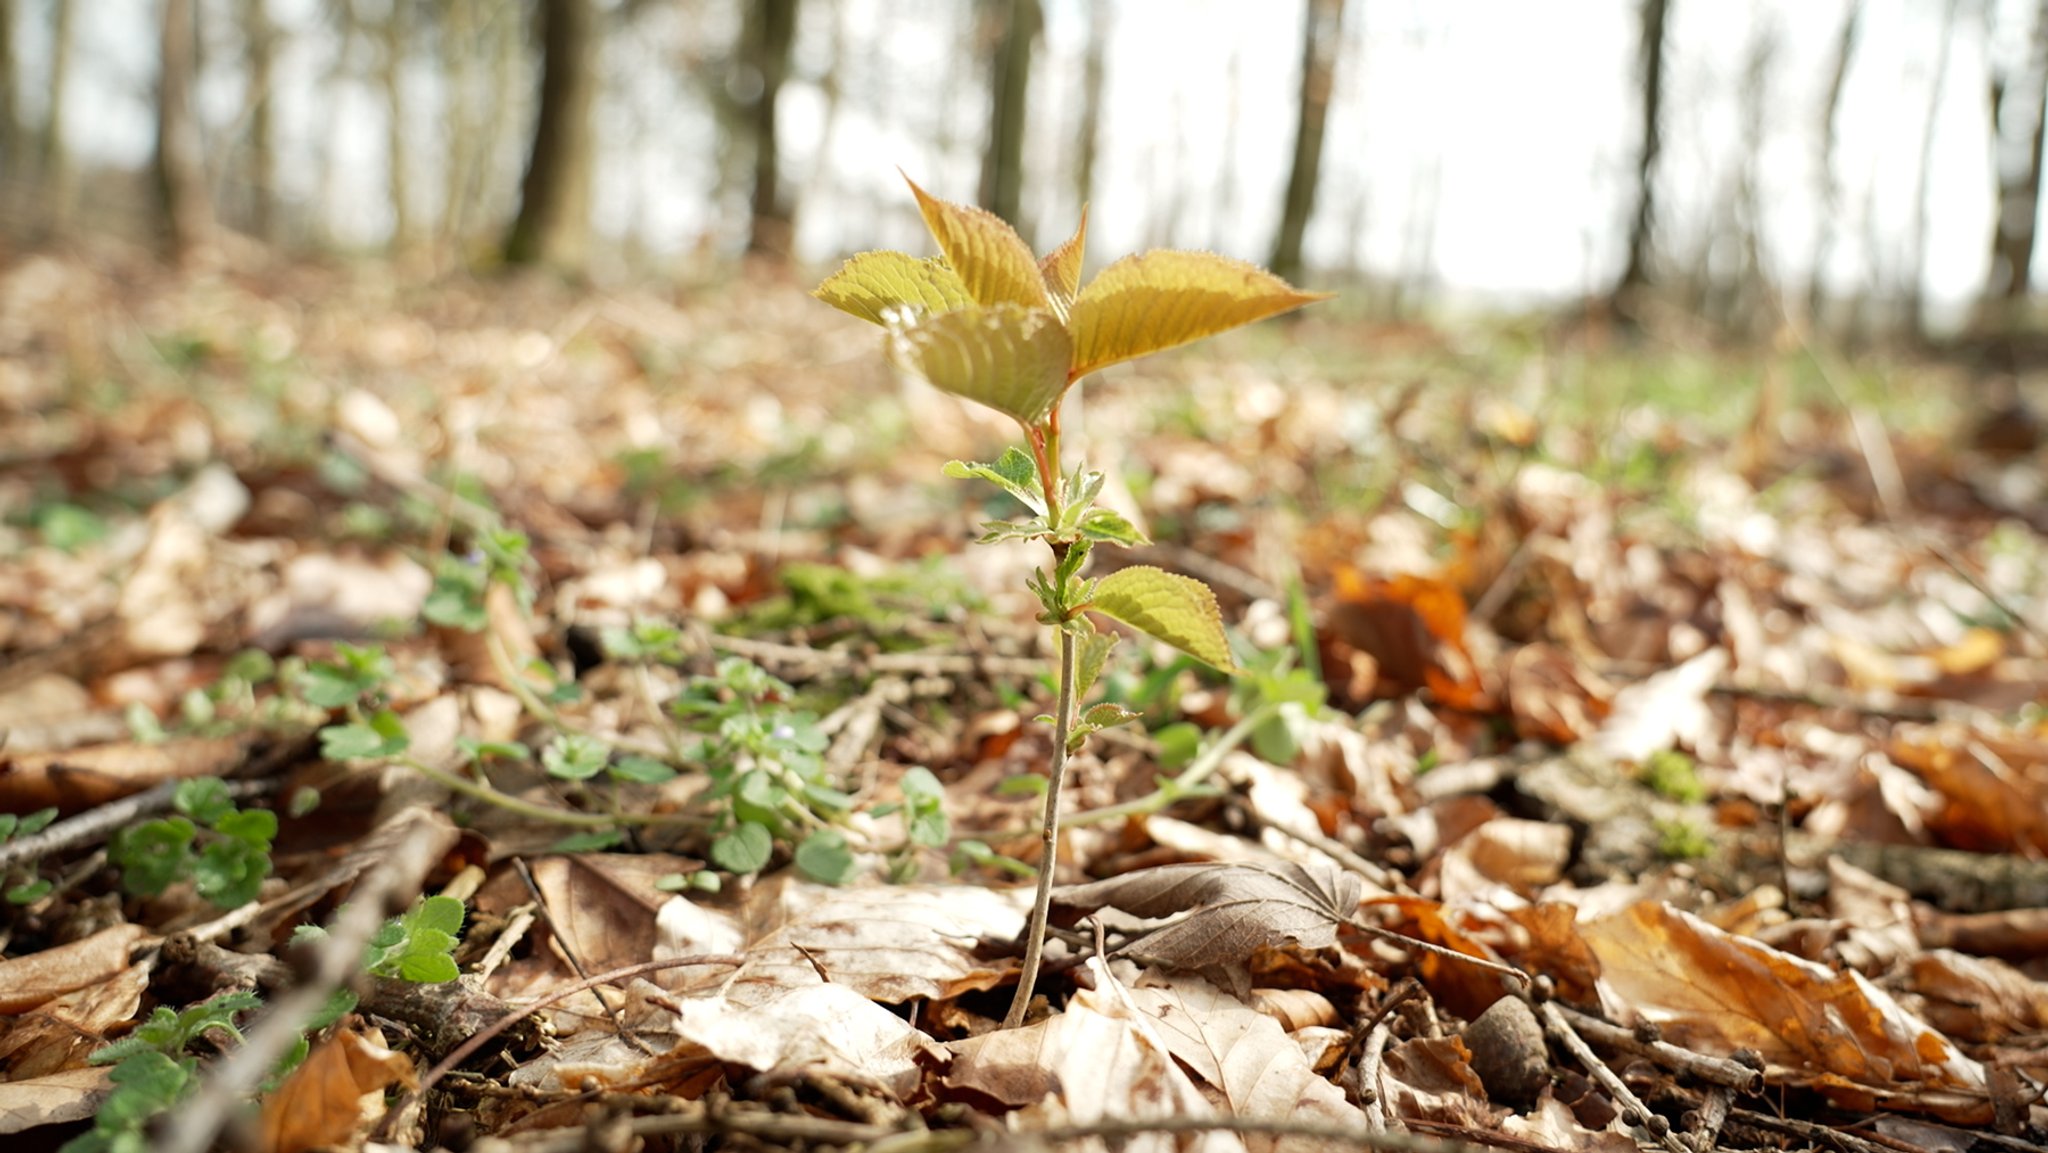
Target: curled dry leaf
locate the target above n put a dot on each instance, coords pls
(1977, 999)
(62, 1032)
(336, 1092)
(820, 1027)
(1230, 909)
(26, 982)
(1431, 1079)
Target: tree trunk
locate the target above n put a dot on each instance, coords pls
(1321, 35)
(259, 39)
(554, 205)
(60, 171)
(1828, 191)
(1654, 16)
(1015, 31)
(2017, 126)
(767, 34)
(187, 212)
(13, 134)
(1916, 274)
(1088, 137)
(394, 34)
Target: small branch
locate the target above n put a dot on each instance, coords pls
(1634, 1112)
(1048, 860)
(1722, 1071)
(455, 782)
(94, 825)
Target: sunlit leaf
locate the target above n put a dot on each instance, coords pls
(1062, 268)
(1158, 300)
(990, 258)
(1108, 526)
(1093, 652)
(1176, 609)
(1014, 472)
(872, 283)
(1011, 359)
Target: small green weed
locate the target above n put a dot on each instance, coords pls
(1672, 775)
(223, 850)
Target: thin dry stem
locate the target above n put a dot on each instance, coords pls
(1041, 905)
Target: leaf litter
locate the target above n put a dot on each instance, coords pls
(1598, 704)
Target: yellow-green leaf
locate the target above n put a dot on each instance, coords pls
(1178, 610)
(1011, 359)
(873, 282)
(990, 258)
(1061, 268)
(1157, 300)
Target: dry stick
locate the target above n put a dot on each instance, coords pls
(1561, 1029)
(93, 825)
(468, 1048)
(1711, 1115)
(1726, 1072)
(1041, 905)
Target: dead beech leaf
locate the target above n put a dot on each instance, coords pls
(1414, 628)
(1250, 1066)
(1552, 697)
(827, 1028)
(338, 1090)
(79, 779)
(26, 982)
(1551, 1125)
(1986, 805)
(889, 943)
(1431, 1079)
(1099, 1059)
(1976, 999)
(1230, 910)
(52, 1099)
(62, 1032)
(1712, 991)
(1667, 709)
(1295, 1009)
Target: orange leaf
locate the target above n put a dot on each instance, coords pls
(989, 256)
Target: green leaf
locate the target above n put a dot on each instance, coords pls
(1158, 300)
(1021, 785)
(204, 799)
(594, 841)
(443, 914)
(824, 856)
(1110, 527)
(383, 735)
(256, 827)
(1176, 609)
(29, 892)
(1006, 356)
(428, 968)
(575, 756)
(152, 855)
(1093, 653)
(1061, 268)
(230, 871)
(1179, 744)
(992, 261)
(744, 850)
(994, 531)
(874, 284)
(1014, 471)
(642, 770)
(68, 528)
(457, 599)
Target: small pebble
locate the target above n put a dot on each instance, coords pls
(1508, 1053)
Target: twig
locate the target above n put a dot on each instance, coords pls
(1340, 853)
(1805, 1131)
(1726, 1072)
(93, 825)
(1405, 941)
(1048, 858)
(1706, 1121)
(1634, 1112)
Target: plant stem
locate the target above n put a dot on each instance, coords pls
(1041, 905)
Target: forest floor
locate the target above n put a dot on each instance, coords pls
(1639, 745)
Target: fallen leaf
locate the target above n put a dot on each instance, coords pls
(336, 1093)
(62, 1032)
(26, 982)
(1665, 710)
(1230, 910)
(52, 1099)
(826, 1028)
(1431, 1079)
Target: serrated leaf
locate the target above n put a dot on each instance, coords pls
(873, 283)
(1013, 472)
(1231, 909)
(1094, 651)
(1162, 299)
(1108, 526)
(1006, 356)
(1061, 268)
(994, 531)
(990, 258)
(1176, 609)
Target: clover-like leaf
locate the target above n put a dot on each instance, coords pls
(1166, 298)
(872, 284)
(1061, 268)
(1176, 609)
(987, 254)
(1010, 358)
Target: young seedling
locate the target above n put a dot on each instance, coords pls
(988, 321)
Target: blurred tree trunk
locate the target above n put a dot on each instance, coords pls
(1015, 25)
(259, 40)
(459, 124)
(1828, 191)
(1653, 16)
(187, 212)
(1321, 34)
(1916, 273)
(394, 34)
(13, 134)
(60, 171)
(766, 37)
(2017, 125)
(553, 226)
(1088, 137)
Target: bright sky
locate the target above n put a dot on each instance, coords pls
(1482, 146)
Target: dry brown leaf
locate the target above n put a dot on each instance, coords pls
(63, 1031)
(1098, 1060)
(54, 1098)
(79, 779)
(1251, 1067)
(1295, 1009)
(1552, 1125)
(889, 943)
(1230, 910)
(1414, 629)
(1665, 710)
(1977, 999)
(826, 1028)
(337, 1092)
(1431, 1079)
(1552, 697)
(1988, 804)
(26, 982)
(1718, 993)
